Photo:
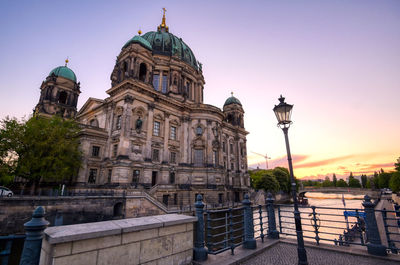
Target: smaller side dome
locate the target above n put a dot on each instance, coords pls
(65, 72)
(232, 100)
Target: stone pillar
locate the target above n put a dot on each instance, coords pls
(199, 251)
(167, 130)
(272, 232)
(34, 235)
(147, 151)
(374, 246)
(249, 241)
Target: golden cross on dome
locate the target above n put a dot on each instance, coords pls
(163, 24)
(231, 94)
(139, 32)
(66, 61)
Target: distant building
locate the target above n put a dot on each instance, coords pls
(154, 132)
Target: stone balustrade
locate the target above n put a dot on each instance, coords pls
(160, 239)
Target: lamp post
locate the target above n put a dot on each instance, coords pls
(283, 112)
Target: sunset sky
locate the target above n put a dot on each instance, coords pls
(338, 62)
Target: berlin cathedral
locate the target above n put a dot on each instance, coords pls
(153, 132)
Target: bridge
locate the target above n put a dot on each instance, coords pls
(344, 190)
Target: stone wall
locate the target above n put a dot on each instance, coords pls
(65, 210)
(160, 239)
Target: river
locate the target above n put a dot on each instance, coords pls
(331, 223)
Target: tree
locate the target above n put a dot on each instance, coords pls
(353, 182)
(369, 183)
(327, 182)
(375, 181)
(397, 165)
(383, 179)
(394, 183)
(264, 179)
(364, 180)
(283, 177)
(341, 183)
(334, 180)
(43, 149)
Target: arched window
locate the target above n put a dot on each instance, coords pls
(94, 123)
(142, 72)
(125, 66)
(62, 98)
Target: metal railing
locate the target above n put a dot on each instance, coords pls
(391, 221)
(9, 243)
(327, 224)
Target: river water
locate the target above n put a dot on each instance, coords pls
(331, 223)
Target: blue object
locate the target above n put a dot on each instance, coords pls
(354, 214)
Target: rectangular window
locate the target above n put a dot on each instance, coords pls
(231, 148)
(118, 122)
(156, 155)
(153, 178)
(92, 175)
(172, 178)
(215, 158)
(173, 158)
(165, 199)
(173, 133)
(115, 149)
(109, 175)
(220, 197)
(164, 84)
(95, 151)
(156, 128)
(198, 157)
(156, 82)
(232, 167)
(175, 199)
(223, 147)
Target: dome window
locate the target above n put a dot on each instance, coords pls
(62, 98)
(142, 72)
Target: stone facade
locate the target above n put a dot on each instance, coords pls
(155, 133)
(162, 239)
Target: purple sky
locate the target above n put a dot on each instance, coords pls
(338, 62)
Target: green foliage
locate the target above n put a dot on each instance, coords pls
(375, 181)
(283, 177)
(394, 183)
(334, 180)
(368, 185)
(311, 183)
(264, 179)
(327, 182)
(353, 182)
(383, 179)
(341, 183)
(397, 165)
(40, 149)
(364, 180)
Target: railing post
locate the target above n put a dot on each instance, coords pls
(374, 246)
(249, 241)
(199, 252)
(272, 232)
(34, 235)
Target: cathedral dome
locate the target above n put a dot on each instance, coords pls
(165, 43)
(232, 100)
(65, 72)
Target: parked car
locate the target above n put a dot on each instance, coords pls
(5, 192)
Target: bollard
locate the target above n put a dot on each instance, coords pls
(272, 232)
(249, 241)
(374, 246)
(34, 235)
(199, 252)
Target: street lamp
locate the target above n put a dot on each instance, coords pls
(283, 112)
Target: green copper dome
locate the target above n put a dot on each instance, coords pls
(166, 43)
(64, 72)
(140, 40)
(232, 100)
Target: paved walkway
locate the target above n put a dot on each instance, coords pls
(284, 253)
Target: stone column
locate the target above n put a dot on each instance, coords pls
(167, 130)
(209, 148)
(147, 151)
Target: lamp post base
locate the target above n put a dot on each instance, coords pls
(378, 250)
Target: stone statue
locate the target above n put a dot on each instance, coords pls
(138, 126)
